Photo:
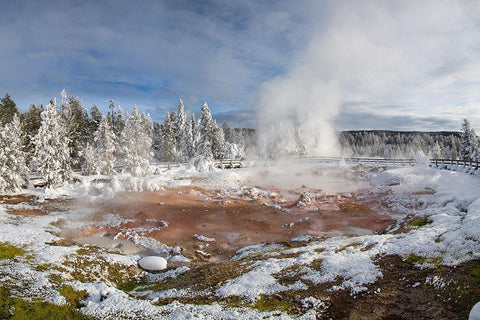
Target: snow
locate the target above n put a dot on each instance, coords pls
(448, 200)
(152, 263)
(203, 238)
(475, 312)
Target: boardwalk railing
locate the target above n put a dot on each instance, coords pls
(400, 161)
(235, 163)
(38, 180)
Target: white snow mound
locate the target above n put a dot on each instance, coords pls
(475, 312)
(152, 263)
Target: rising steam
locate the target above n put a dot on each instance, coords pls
(302, 100)
(389, 58)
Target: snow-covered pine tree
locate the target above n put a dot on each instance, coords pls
(13, 170)
(52, 154)
(89, 160)
(189, 149)
(8, 109)
(168, 139)
(32, 121)
(94, 121)
(206, 132)
(137, 144)
(180, 127)
(437, 151)
(76, 122)
(218, 142)
(300, 147)
(469, 150)
(104, 147)
(157, 141)
(195, 134)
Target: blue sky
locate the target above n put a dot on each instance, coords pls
(397, 64)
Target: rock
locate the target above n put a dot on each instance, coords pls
(152, 263)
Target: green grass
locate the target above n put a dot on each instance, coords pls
(18, 309)
(88, 265)
(420, 222)
(73, 297)
(8, 251)
(272, 303)
(415, 259)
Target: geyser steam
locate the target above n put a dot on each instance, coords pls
(302, 100)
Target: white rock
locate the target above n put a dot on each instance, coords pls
(152, 263)
(475, 312)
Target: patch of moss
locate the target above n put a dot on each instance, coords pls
(8, 251)
(89, 265)
(353, 245)
(18, 309)
(203, 276)
(73, 297)
(420, 222)
(475, 273)
(415, 259)
(272, 303)
(62, 243)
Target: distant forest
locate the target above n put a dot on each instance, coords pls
(62, 137)
(401, 144)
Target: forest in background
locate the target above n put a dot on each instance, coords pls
(60, 138)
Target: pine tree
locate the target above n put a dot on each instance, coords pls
(13, 170)
(32, 121)
(189, 148)
(76, 122)
(195, 134)
(52, 154)
(94, 121)
(168, 139)
(8, 109)
(157, 141)
(469, 150)
(137, 143)
(218, 142)
(104, 139)
(300, 148)
(180, 125)
(206, 132)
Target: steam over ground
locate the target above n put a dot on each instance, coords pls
(382, 65)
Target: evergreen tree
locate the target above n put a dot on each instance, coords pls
(157, 141)
(32, 121)
(137, 143)
(206, 132)
(180, 125)
(300, 147)
(189, 148)
(218, 142)
(52, 154)
(76, 122)
(104, 148)
(469, 150)
(95, 119)
(13, 170)
(168, 139)
(8, 109)
(195, 134)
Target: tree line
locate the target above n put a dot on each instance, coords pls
(57, 139)
(396, 144)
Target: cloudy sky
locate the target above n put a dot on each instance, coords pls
(403, 65)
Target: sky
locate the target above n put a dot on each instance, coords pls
(399, 65)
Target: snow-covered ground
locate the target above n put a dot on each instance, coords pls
(439, 225)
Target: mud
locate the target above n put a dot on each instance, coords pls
(174, 216)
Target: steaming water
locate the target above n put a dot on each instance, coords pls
(291, 176)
